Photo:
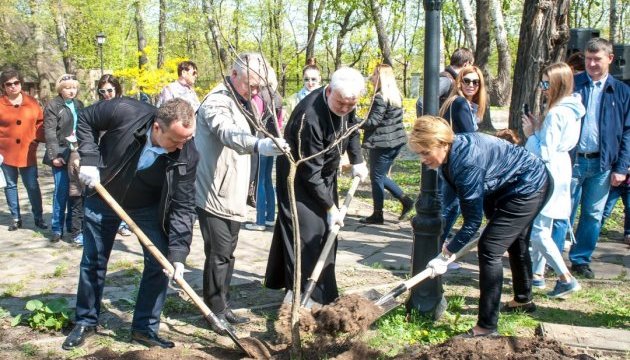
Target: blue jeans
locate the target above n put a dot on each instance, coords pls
(61, 209)
(265, 194)
(99, 232)
(381, 161)
(543, 248)
(29, 179)
(589, 188)
(622, 191)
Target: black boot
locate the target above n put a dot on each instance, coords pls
(407, 205)
(375, 218)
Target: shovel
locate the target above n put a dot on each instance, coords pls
(330, 240)
(421, 276)
(144, 240)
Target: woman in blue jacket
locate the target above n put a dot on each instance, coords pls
(508, 184)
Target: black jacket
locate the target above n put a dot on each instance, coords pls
(125, 122)
(384, 127)
(58, 124)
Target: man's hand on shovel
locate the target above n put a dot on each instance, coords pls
(439, 264)
(178, 274)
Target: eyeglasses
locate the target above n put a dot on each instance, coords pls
(12, 83)
(69, 77)
(306, 79)
(469, 81)
(193, 71)
(543, 85)
(104, 91)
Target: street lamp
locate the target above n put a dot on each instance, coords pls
(428, 297)
(100, 40)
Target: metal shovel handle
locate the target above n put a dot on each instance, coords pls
(157, 254)
(330, 240)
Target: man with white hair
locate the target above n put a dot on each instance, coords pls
(226, 139)
(317, 122)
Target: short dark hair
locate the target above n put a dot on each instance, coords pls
(462, 56)
(577, 61)
(174, 110)
(598, 44)
(109, 79)
(184, 66)
(8, 75)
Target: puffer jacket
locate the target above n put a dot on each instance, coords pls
(124, 123)
(481, 166)
(58, 124)
(384, 127)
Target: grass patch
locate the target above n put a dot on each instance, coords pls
(14, 289)
(29, 350)
(125, 265)
(59, 271)
(174, 305)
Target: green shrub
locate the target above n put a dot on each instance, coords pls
(53, 315)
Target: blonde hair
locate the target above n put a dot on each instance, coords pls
(480, 98)
(429, 132)
(387, 85)
(66, 80)
(560, 83)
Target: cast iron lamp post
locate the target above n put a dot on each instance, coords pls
(428, 297)
(100, 40)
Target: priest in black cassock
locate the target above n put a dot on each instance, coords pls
(316, 122)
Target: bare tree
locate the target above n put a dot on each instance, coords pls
(161, 34)
(543, 40)
(381, 32)
(142, 41)
(62, 35)
(500, 88)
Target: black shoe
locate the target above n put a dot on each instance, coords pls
(582, 270)
(232, 318)
(77, 336)
(407, 205)
(55, 238)
(529, 307)
(41, 224)
(222, 327)
(17, 224)
(375, 218)
(149, 339)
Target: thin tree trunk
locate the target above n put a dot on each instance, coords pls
(161, 34)
(62, 36)
(501, 88)
(482, 50)
(142, 41)
(40, 56)
(313, 17)
(543, 40)
(212, 33)
(381, 32)
(614, 22)
(470, 28)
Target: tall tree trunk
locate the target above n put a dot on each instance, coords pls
(543, 40)
(614, 22)
(482, 50)
(470, 29)
(142, 41)
(381, 32)
(212, 34)
(62, 36)
(341, 38)
(237, 24)
(161, 34)
(313, 17)
(501, 88)
(40, 56)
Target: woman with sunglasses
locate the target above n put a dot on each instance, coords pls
(60, 122)
(312, 80)
(551, 139)
(384, 135)
(21, 121)
(463, 109)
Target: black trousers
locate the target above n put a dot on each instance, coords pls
(509, 226)
(220, 237)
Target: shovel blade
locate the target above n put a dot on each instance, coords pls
(387, 306)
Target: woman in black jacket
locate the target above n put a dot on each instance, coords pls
(384, 135)
(60, 122)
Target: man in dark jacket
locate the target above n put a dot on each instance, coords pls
(147, 161)
(602, 155)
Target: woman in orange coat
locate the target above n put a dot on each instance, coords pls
(21, 120)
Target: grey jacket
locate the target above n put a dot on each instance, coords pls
(224, 140)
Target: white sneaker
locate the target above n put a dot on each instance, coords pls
(255, 227)
(270, 223)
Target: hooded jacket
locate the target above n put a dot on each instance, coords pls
(559, 133)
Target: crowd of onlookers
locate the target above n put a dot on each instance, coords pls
(186, 160)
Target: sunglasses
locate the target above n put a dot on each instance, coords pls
(69, 77)
(104, 91)
(12, 83)
(543, 85)
(310, 79)
(468, 81)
